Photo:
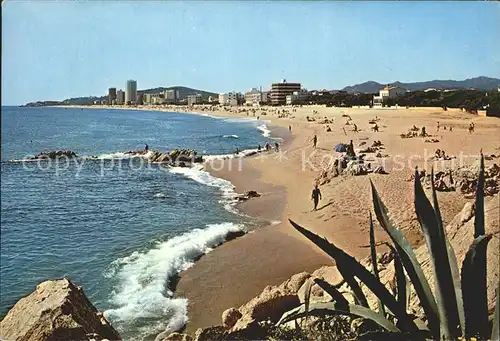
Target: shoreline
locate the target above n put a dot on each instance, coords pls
(239, 270)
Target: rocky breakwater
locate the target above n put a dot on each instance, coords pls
(55, 154)
(175, 157)
(56, 310)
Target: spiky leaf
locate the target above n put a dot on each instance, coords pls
(474, 288)
(410, 263)
(456, 284)
(349, 267)
(436, 244)
(332, 308)
(373, 254)
(401, 283)
(337, 296)
(307, 296)
(453, 261)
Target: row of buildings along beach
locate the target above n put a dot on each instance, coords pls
(281, 93)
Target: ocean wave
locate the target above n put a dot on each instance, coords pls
(265, 131)
(23, 160)
(197, 174)
(118, 155)
(241, 154)
(144, 294)
(230, 136)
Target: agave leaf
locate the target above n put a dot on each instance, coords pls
(373, 253)
(307, 296)
(479, 229)
(401, 283)
(347, 292)
(453, 262)
(410, 263)
(350, 268)
(456, 284)
(474, 288)
(495, 332)
(331, 308)
(337, 296)
(436, 244)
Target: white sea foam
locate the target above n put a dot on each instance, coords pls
(230, 136)
(265, 131)
(119, 155)
(241, 154)
(143, 293)
(197, 174)
(159, 195)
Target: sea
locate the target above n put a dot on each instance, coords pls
(121, 228)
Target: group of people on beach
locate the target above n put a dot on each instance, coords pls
(267, 147)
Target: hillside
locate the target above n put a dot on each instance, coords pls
(183, 93)
(480, 83)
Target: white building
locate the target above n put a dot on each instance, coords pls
(387, 92)
(171, 96)
(297, 97)
(193, 99)
(231, 98)
(131, 92)
(253, 97)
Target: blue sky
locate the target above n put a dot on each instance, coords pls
(52, 50)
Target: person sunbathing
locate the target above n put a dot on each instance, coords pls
(440, 185)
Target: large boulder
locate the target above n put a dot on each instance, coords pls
(56, 310)
(270, 305)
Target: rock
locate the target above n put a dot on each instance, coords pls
(234, 234)
(178, 337)
(292, 285)
(271, 304)
(252, 194)
(56, 154)
(467, 212)
(230, 317)
(210, 333)
(56, 310)
(248, 195)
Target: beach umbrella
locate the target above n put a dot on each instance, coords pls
(341, 148)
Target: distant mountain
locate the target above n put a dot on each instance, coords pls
(481, 83)
(183, 93)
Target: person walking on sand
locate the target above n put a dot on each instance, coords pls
(314, 141)
(438, 127)
(316, 196)
(290, 128)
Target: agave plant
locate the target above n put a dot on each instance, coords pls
(459, 306)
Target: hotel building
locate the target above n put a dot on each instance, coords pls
(279, 91)
(131, 92)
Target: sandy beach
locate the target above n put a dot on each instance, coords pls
(237, 271)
